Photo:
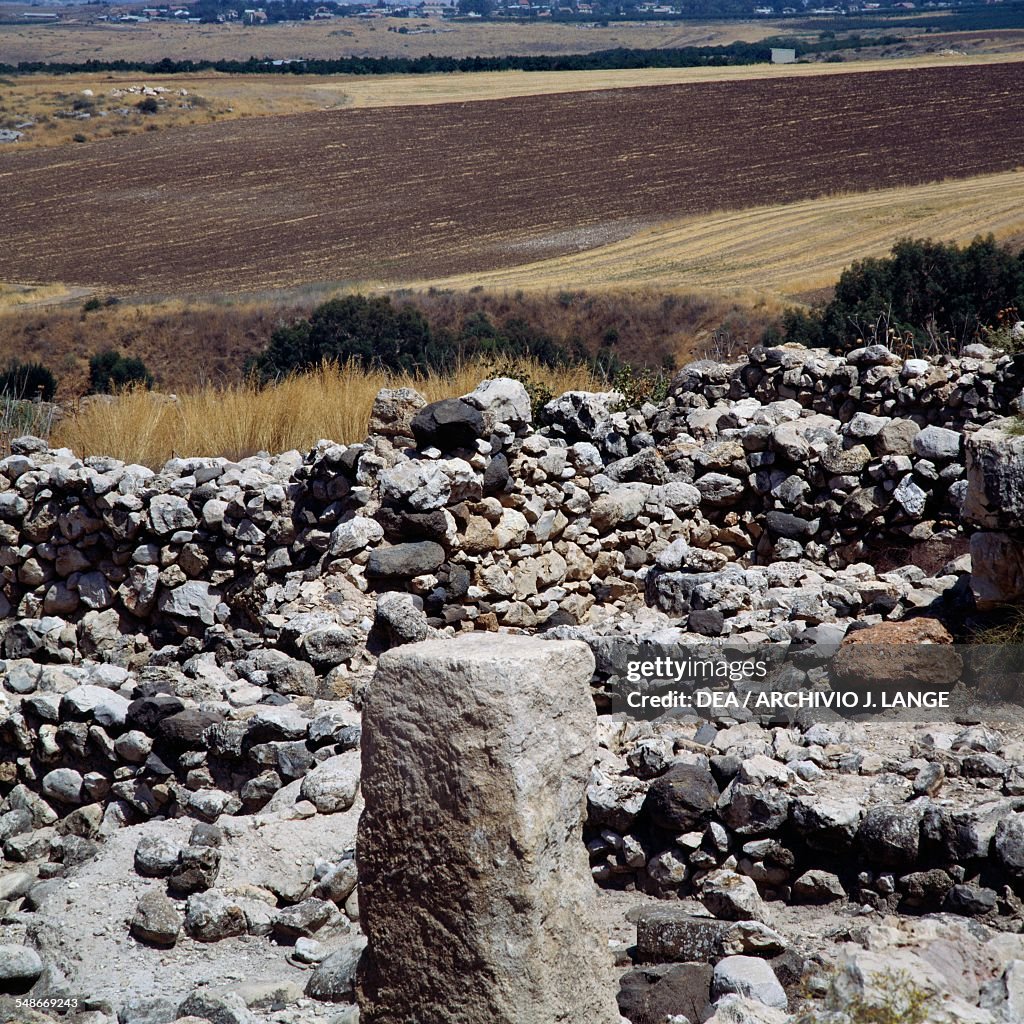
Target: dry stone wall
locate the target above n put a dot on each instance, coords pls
(493, 520)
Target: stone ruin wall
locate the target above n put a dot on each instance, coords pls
(174, 640)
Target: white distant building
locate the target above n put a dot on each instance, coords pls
(783, 55)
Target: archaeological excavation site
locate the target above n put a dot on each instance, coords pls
(431, 728)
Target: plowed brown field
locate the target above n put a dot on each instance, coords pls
(408, 192)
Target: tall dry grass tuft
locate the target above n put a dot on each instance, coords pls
(236, 420)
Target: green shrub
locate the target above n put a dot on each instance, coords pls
(369, 331)
(18, 417)
(110, 371)
(91, 304)
(148, 106)
(375, 333)
(925, 297)
(28, 380)
(640, 386)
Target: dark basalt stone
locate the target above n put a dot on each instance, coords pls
(405, 560)
(447, 424)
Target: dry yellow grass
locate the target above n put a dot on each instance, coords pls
(237, 420)
(50, 100)
(774, 251)
(21, 296)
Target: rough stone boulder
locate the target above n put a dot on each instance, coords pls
(448, 424)
(893, 653)
(994, 501)
(405, 560)
(682, 799)
(997, 569)
(393, 410)
(501, 400)
(583, 415)
(474, 888)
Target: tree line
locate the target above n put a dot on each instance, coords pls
(602, 60)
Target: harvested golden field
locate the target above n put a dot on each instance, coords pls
(396, 193)
(80, 37)
(777, 251)
(56, 110)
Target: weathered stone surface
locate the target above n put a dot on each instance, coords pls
(194, 599)
(450, 423)
(994, 463)
(405, 560)
(896, 438)
(169, 513)
(217, 1008)
(355, 534)
(894, 653)
(393, 410)
(332, 785)
(195, 871)
(156, 920)
(938, 444)
(472, 749)
(400, 619)
(334, 978)
(63, 785)
(667, 933)
(211, 916)
(732, 897)
(719, 490)
(818, 886)
(303, 919)
(652, 995)
(503, 400)
(156, 856)
(889, 836)
(19, 967)
(748, 976)
(583, 414)
(997, 569)
(326, 648)
(682, 798)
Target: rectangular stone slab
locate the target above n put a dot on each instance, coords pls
(474, 886)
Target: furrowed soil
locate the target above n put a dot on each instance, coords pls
(402, 193)
(60, 110)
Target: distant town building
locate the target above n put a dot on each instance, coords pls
(783, 55)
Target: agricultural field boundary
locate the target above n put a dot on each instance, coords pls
(219, 207)
(774, 251)
(423, 90)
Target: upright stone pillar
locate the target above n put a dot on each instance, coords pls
(474, 886)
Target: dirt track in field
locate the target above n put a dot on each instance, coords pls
(409, 192)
